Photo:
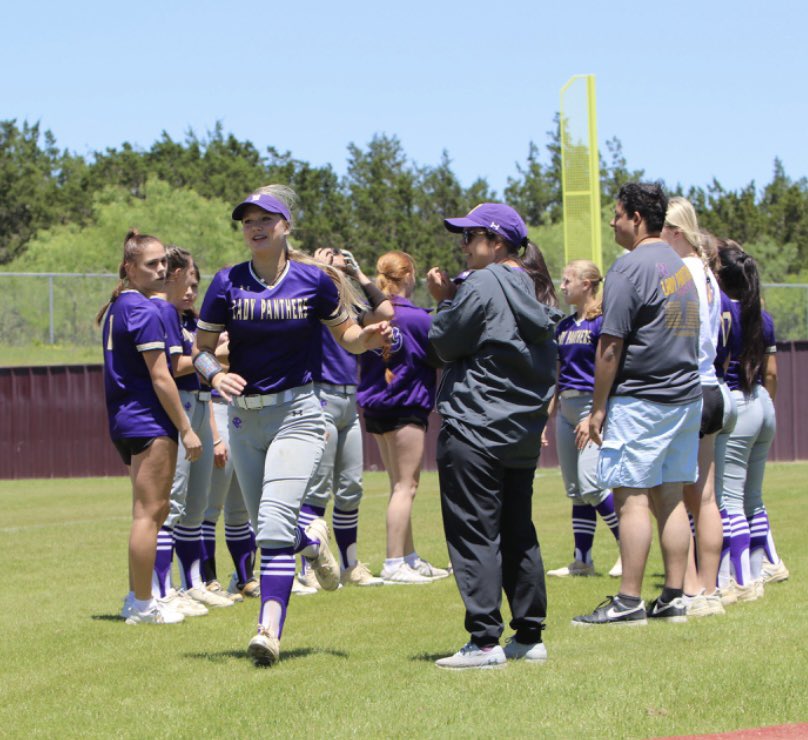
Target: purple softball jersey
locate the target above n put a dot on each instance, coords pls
(274, 330)
(400, 377)
(188, 382)
(577, 341)
(334, 365)
(133, 325)
(731, 323)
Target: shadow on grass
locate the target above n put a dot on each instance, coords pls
(429, 657)
(286, 655)
(107, 618)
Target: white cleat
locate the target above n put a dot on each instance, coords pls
(209, 598)
(404, 575)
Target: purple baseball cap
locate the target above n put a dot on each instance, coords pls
(268, 202)
(496, 217)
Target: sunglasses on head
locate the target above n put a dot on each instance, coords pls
(469, 235)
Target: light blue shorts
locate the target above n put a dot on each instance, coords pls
(646, 444)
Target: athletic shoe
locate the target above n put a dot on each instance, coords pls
(575, 568)
(774, 573)
(750, 592)
(667, 611)
(613, 611)
(216, 588)
(704, 605)
(428, 570)
(184, 604)
(249, 590)
(534, 652)
(301, 590)
(359, 575)
(208, 598)
(759, 586)
(471, 656)
(617, 568)
(156, 614)
(324, 565)
(307, 579)
(727, 594)
(403, 575)
(264, 648)
(126, 609)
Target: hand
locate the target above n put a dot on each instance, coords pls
(440, 287)
(596, 421)
(376, 336)
(544, 441)
(228, 385)
(220, 454)
(192, 444)
(582, 433)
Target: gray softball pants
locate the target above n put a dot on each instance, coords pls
(740, 457)
(225, 491)
(189, 491)
(276, 451)
(340, 468)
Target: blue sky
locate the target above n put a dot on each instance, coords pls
(694, 90)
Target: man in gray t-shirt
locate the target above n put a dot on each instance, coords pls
(647, 403)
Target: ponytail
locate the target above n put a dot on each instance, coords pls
(532, 261)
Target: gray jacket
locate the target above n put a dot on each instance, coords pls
(497, 342)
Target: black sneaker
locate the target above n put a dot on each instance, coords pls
(673, 611)
(613, 611)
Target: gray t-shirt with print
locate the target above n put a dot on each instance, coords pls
(651, 302)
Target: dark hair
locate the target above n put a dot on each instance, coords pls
(133, 244)
(649, 200)
(740, 280)
(177, 258)
(535, 266)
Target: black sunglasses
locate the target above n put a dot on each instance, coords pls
(469, 235)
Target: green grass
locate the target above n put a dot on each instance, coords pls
(50, 354)
(359, 662)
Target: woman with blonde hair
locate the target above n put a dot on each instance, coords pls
(396, 393)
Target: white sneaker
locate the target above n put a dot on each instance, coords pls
(750, 592)
(403, 575)
(264, 648)
(774, 573)
(532, 653)
(307, 579)
(428, 570)
(324, 565)
(575, 568)
(208, 598)
(471, 656)
(216, 588)
(184, 604)
(617, 568)
(703, 605)
(249, 590)
(359, 575)
(300, 590)
(156, 614)
(126, 609)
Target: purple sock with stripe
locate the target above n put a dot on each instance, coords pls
(346, 525)
(240, 540)
(606, 510)
(724, 561)
(584, 521)
(161, 578)
(277, 573)
(739, 548)
(209, 551)
(188, 546)
(760, 542)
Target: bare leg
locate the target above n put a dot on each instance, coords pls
(633, 515)
(674, 531)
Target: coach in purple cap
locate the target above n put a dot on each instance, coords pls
(495, 333)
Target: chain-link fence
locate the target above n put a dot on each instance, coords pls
(60, 308)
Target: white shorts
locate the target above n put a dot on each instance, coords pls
(646, 444)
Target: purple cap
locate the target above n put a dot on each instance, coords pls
(496, 217)
(269, 203)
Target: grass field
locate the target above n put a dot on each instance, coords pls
(359, 661)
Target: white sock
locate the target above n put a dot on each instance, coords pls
(392, 563)
(142, 605)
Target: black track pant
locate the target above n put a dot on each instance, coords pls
(492, 541)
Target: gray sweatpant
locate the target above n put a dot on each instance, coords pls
(225, 491)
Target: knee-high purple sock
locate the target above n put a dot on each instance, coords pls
(277, 573)
(584, 521)
(724, 562)
(307, 515)
(346, 524)
(161, 578)
(606, 509)
(209, 551)
(302, 540)
(240, 540)
(188, 546)
(739, 548)
(760, 542)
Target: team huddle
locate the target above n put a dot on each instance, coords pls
(662, 393)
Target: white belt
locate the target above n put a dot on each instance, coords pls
(346, 390)
(571, 393)
(203, 396)
(266, 399)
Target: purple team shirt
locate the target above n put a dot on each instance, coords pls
(274, 331)
(132, 325)
(412, 384)
(577, 341)
(188, 382)
(335, 365)
(731, 342)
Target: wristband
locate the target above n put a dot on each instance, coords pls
(217, 442)
(374, 295)
(207, 365)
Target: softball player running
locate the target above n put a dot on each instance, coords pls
(341, 466)
(145, 413)
(271, 308)
(577, 339)
(741, 455)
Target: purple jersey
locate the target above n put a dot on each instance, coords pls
(274, 330)
(732, 317)
(171, 322)
(577, 341)
(335, 364)
(133, 325)
(188, 382)
(399, 377)
(729, 335)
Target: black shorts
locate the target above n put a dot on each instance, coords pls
(712, 410)
(129, 446)
(384, 424)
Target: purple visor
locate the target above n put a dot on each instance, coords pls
(496, 217)
(267, 202)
